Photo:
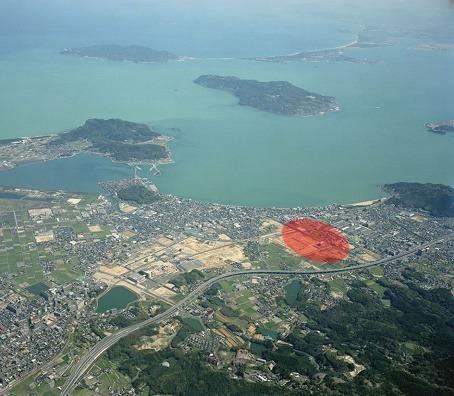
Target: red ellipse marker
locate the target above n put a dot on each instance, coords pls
(315, 240)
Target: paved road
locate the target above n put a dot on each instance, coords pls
(85, 363)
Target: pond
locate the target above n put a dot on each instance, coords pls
(291, 291)
(116, 298)
(257, 348)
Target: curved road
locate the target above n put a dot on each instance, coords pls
(85, 363)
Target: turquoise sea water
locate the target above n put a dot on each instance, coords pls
(224, 152)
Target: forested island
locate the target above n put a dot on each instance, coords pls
(132, 53)
(121, 140)
(437, 199)
(118, 139)
(441, 127)
(279, 97)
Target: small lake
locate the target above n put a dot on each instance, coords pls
(257, 348)
(38, 288)
(291, 292)
(118, 297)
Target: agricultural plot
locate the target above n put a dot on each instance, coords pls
(28, 230)
(274, 256)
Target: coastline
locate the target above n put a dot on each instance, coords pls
(162, 140)
(313, 51)
(369, 202)
(30, 190)
(177, 59)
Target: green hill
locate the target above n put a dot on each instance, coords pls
(97, 130)
(280, 97)
(138, 193)
(437, 199)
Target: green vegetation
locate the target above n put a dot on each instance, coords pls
(229, 311)
(327, 55)
(268, 330)
(437, 199)
(279, 97)
(97, 130)
(257, 348)
(129, 152)
(385, 340)
(376, 287)
(122, 140)
(291, 292)
(188, 326)
(132, 53)
(337, 285)
(30, 261)
(138, 193)
(106, 374)
(188, 278)
(194, 323)
(277, 257)
(139, 312)
(287, 361)
(186, 375)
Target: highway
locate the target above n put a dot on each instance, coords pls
(86, 362)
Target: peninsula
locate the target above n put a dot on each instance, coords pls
(279, 97)
(131, 53)
(120, 140)
(335, 54)
(329, 55)
(437, 199)
(441, 127)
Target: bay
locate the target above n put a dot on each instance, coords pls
(224, 152)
